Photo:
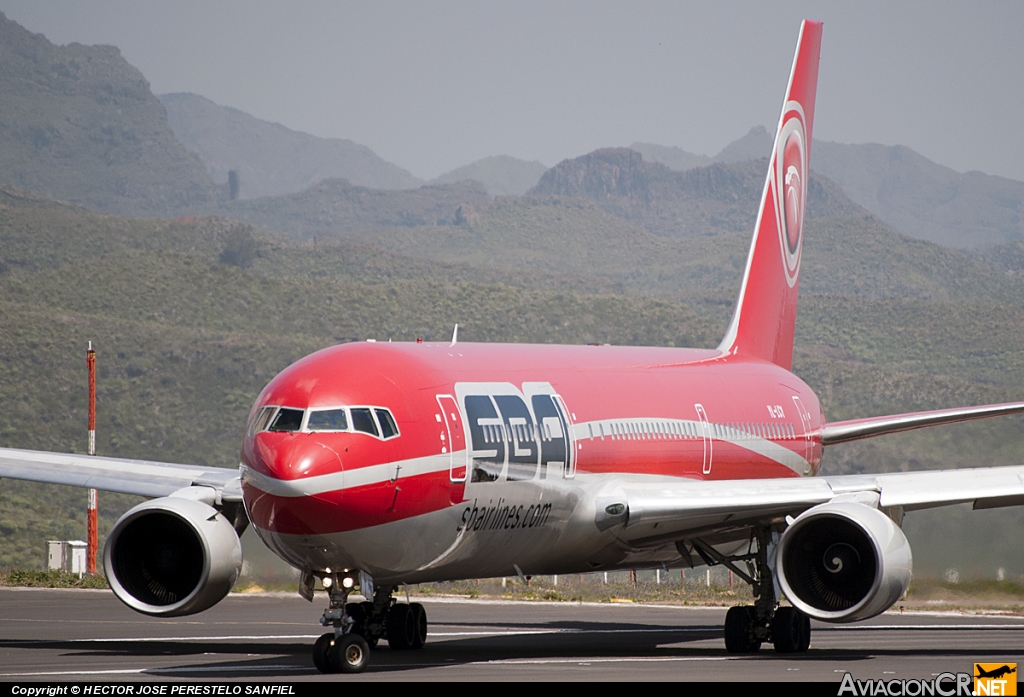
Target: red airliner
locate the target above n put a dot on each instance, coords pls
(370, 465)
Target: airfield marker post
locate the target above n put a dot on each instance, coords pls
(93, 522)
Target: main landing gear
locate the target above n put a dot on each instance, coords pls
(749, 626)
(360, 626)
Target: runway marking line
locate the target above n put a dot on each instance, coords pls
(153, 639)
(137, 671)
(145, 623)
(517, 632)
(624, 659)
(305, 669)
(513, 632)
(915, 627)
(312, 637)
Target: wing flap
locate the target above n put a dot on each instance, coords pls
(699, 499)
(123, 476)
(917, 490)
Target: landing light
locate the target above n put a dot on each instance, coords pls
(328, 582)
(348, 582)
(615, 509)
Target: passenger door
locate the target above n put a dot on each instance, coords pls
(705, 432)
(454, 441)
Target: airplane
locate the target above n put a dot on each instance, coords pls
(995, 672)
(370, 465)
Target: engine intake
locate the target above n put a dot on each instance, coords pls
(172, 556)
(843, 562)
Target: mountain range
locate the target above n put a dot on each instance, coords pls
(916, 196)
(269, 158)
(79, 123)
(501, 175)
(700, 201)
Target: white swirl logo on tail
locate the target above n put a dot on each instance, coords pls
(789, 185)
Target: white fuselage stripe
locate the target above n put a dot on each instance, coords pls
(349, 479)
(434, 464)
(769, 449)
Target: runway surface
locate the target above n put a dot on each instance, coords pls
(76, 635)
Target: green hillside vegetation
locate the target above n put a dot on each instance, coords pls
(501, 175)
(79, 123)
(554, 236)
(270, 159)
(1007, 258)
(40, 233)
(857, 257)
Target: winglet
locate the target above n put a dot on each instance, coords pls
(763, 323)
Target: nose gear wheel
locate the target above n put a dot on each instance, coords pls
(358, 627)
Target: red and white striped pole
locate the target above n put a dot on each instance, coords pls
(93, 524)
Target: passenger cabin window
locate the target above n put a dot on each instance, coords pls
(287, 420)
(327, 420)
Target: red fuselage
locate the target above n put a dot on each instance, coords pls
(542, 423)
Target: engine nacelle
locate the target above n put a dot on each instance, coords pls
(172, 556)
(843, 562)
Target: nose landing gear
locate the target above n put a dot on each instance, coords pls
(348, 653)
(360, 626)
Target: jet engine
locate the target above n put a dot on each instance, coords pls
(172, 556)
(843, 562)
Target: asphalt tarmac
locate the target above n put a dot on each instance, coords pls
(77, 635)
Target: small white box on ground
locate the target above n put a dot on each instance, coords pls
(66, 555)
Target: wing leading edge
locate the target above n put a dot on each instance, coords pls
(123, 476)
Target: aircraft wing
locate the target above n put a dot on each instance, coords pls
(119, 475)
(856, 429)
(658, 511)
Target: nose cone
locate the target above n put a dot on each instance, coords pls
(290, 456)
(294, 485)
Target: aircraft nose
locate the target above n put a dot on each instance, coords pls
(287, 456)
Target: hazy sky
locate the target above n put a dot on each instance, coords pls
(434, 85)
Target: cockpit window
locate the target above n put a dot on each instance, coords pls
(362, 420)
(327, 420)
(287, 420)
(375, 421)
(260, 421)
(388, 428)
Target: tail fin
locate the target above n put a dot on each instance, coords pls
(765, 316)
